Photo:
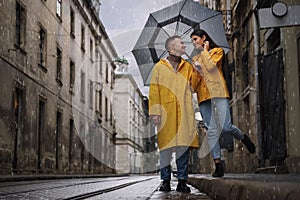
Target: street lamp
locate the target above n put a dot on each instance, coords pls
(122, 64)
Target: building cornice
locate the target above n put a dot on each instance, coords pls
(94, 17)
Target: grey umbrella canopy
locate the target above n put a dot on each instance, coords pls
(178, 19)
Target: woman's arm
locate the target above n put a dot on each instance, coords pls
(211, 60)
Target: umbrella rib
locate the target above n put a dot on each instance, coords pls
(159, 26)
(176, 29)
(150, 45)
(219, 13)
(178, 18)
(164, 31)
(192, 27)
(163, 54)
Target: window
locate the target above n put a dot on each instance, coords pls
(71, 136)
(97, 64)
(106, 109)
(111, 115)
(112, 79)
(100, 103)
(100, 63)
(72, 74)
(91, 49)
(41, 127)
(82, 91)
(42, 46)
(82, 142)
(18, 123)
(58, 132)
(91, 94)
(20, 25)
(58, 65)
(59, 8)
(82, 38)
(218, 5)
(133, 112)
(106, 74)
(72, 24)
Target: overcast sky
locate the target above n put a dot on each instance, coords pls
(124, 15)
(124, 20)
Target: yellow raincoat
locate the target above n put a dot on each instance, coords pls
(170, 96)
(212, 83)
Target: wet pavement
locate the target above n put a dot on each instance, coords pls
(203, 186)
(130, 187)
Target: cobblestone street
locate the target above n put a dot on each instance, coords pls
(127, 187)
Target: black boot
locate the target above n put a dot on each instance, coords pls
(219, 172)
(165, 186)
(249, 144)
(182, 187)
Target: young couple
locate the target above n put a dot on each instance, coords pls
(170, 105)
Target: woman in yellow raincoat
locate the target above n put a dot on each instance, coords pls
(213, 97)
(171, 109)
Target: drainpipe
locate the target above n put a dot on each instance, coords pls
(256, 61)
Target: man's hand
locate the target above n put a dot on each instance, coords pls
(198, 67)
(156, 119)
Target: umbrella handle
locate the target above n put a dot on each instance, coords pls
(189, 59)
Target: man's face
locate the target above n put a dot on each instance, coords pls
(178, 46)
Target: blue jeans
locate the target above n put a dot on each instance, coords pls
(216, 117)
(182, 159)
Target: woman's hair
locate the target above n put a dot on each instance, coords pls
(200, 33)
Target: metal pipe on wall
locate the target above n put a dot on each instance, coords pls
(256, 41)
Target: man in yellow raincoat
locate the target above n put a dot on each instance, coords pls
(171, 109)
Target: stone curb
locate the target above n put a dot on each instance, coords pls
(231, 189)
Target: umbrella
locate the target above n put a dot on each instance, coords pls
(178, 19)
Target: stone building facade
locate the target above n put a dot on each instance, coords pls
(51, 53)
(262, 72)
(133, 141)
(266, 88)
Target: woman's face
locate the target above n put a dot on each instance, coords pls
(197, 41)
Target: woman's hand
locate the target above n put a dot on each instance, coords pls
(206, 45)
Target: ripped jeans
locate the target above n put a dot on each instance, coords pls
(217, 119)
